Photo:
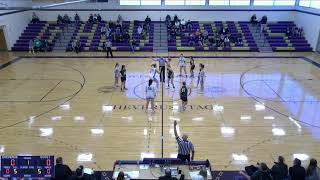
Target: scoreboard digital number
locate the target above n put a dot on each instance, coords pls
(27, 166)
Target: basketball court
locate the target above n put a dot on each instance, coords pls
(253, 108)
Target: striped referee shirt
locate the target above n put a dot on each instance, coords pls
(184, 147)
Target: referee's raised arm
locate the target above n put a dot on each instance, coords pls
(184, 146)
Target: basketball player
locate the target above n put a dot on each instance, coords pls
(153, 73)
(123, 73)
(192, 66)
(116, 75)
(201, 77)
(150, 95)
(184, 95)
(170, 74)
(182, 64)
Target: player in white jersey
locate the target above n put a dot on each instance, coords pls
(182, 64)
(116, 75)
(153, 74)
(150, 95)
(201, 77)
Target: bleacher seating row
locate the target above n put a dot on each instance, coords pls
(91, 39)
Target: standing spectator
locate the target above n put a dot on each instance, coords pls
(35, 18)
(103, 30)
(66, 19)
(150, 95)
(168, 19)
(279, 171)
(263, 22)
(297, 172)
(99, 19)
(189, 25)
(90, 18)
(95, 18)
(62, 171)
(77, 47)
(109, 48)
(185, 147)
(262, 173)
(226, 42)
(80, 175)
(31, 49)
(120, 19)
(313, 171)
(76, 18)
(59, 19)
(147, 20)
(133, 44)
(139, 29)
(175, 18)
(253, 20)
(123, 73)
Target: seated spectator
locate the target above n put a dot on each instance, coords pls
(177, 24)
(239, 40)
(66, 19)
(146, 28)
(47, 46)
(147, 20)
(77, 46)
(192, 40)
(99, 19)
(90, 20)
(313, 171)
(103, 30)
(119, 26)
(197, 33)
(300, 32)
(35, 18)
(253, 20)
(297, 172)
(183, 24)
(205, 34)
(133, 44)
(37, 45)
(139, 29)
(95, 18)
(226, 42)
(221, 40)
(167, 175)
(108, 32)
(112, 25)
(77, 18)
(226, 31)
(61, 170)
(263, 173)
(80, 175)
(189, 25)
(288, 32)
(59, 19)
(279, 170)
(296, 31)
(202, 174)
(263, 22)
(126, 36)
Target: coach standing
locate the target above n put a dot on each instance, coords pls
(184, 146)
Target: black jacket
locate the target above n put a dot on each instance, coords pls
(297, 172)
(62, 172)
(279, 171)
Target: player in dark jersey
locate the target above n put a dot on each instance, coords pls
(184, 95)
(192, 66)
(123, 74)
(170, 74)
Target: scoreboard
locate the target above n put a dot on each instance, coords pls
(27, 166)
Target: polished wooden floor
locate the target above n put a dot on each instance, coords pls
(252, 109)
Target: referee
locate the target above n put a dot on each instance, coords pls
(162, 67)
(184, 146)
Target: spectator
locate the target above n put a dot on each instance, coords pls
(183, 24)
(62, 171)
(109, 48)
(192, 40)
(35, 18)
(95, 18)
(147, 20)
(297, 172)
(253, 20)
(59, 19)
(168, 19)
(133, 44)
(313, 171)
(77, 18)
(167, 175)
(226, 42)
(202, 174)
(189, 25)
(175, 18)
(140, 30)
(108, 32)
(99, 19)
(80, 175)
(91, 18)
(263, 22)
(103, 30)
(177, 24)
(31, 49)
(126, 36)
(120, 19)
(221, 41)
(184, 146)
(288, 32)
(239, 40)
(66, 19)
(262, 173)
(300, 32)
(121, 176)
(104, 46)
(279, 171)
(77, 46)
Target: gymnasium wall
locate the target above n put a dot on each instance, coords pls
(14, 25)
(310, 24)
